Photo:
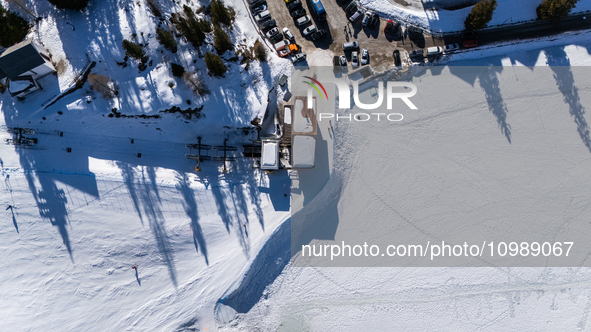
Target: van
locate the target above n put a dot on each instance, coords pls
(303, 20)
(262, 15)
(435, 50)
(350, 46)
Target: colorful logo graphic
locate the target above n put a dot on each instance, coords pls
(315, 82)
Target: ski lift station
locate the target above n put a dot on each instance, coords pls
(296, 147)
(303, 140)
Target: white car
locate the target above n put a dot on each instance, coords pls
(356, 16)
(364, 56)
(366, 18)
(354, 59)
(343, 60)
(288, 34)
(272, 32)
(451, 47)
(262, 16)
(309, 30)
(303, 20)
(281, 45)
(298, 57)
(435, 50)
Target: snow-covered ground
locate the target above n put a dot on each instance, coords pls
(81, 220)
(429, 15)
(448, 299)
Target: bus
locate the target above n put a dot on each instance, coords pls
(319, 9)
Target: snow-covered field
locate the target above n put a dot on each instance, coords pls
(81, 220)
(429, 15)
(447, 299)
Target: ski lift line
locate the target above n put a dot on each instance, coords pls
(118, 137)
(225, 148)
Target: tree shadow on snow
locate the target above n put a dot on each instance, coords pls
(489, 82)
(144, 193)
(563, 75)
(190, 205)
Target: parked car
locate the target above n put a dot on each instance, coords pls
(284, 52)
(255, 3)
(374, 20)
(392, 26)
(309, 30)
(303, 20)
(414, 30)
(259, 9)
(435, 50)
(288, 34)
(282, 44)
(397, 59)
(318, 34)
(350, 46)
(352, 7)
(268, 24)
(451, 47)
(343, 60)
(354, 59)
(298, 57)
(364, 56)
(470, 40)
(276, 38)
(370, 19)
(298, 13)
(416, 53)
(262, 16)
(272, 32)
(356, 15)
(294, 5)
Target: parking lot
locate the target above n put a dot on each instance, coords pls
(379, 44)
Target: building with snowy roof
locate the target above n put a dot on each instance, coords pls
(22, 65)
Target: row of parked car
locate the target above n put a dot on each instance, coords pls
(283, 41)
(356, 58)
(302, 19)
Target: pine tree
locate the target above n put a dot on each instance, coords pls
(480, 15)
(215, 65)
(166, 39)
(555, 10)
(221, 13)
(13, 28)
(221, 40)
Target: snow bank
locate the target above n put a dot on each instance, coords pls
(442, 20)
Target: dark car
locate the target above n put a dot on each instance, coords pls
(276, 38)
(255, 3)
(416, 53)
(268, 24)
(470, 40)
(397, 60)
(294, 5)
(374, 20)
(351, 8)
(414, 30)
(259, 9)
(298, 13)
(341, 2)
(318, 34)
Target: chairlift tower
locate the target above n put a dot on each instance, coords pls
(199, 147)
(225, 148)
